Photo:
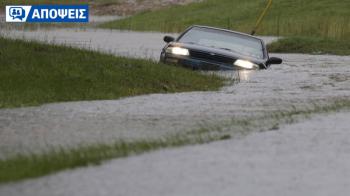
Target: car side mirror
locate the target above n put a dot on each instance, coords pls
(168, 39)
(274, 60)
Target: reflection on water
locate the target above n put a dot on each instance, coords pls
(245, 75)
(236, 75)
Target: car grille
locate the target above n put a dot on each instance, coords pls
(211, 57)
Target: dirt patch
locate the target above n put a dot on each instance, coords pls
(127, 7)
(130, 7)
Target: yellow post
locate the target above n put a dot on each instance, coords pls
(258, 22)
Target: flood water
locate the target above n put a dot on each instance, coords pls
(302, 81)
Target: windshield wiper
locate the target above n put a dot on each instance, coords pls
(190, 43)
(227, 49)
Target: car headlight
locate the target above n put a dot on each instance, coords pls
(245, 64)
(178, 51)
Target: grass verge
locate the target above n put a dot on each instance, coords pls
(34, 73)
(23, 167)
(310, 45)
(326, 20)
(319, 18)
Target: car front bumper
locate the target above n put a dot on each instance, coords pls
(196, 64)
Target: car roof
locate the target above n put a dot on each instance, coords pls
(220, 29)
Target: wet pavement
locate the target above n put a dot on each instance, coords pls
(302, 81)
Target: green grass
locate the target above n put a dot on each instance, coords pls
(310, 45)
(320, 18)
(30, 166)
(327, 21)
(22, 167)
(33, 74)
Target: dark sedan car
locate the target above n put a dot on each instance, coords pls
(208, 48)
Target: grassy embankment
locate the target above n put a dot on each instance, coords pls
(34, 74)
(311, 45)
(314, 26)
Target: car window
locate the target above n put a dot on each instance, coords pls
(245, 45)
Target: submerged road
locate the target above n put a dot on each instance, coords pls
(36, 129)
(121, 43)
(308, 158)
(146, 45)
(302, 81)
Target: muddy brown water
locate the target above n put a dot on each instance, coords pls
(301, 81)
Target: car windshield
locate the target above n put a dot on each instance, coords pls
(234, 42)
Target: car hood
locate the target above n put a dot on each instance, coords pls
(218, 51)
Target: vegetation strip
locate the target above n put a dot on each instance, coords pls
(310, 45)
(33, 74)
(24, 167)
(320, 18)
